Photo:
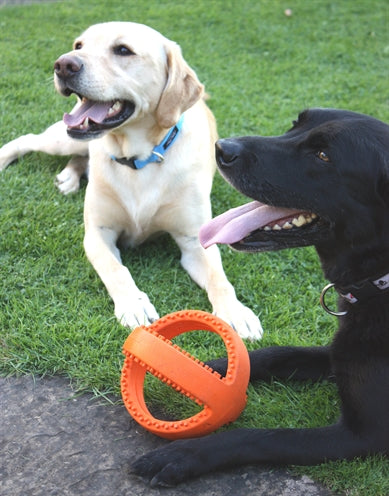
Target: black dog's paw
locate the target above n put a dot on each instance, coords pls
(170, 465)
(219, 365)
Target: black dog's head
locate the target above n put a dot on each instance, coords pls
(325, 182)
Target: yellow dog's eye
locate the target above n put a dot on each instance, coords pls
(122, 50)
(78, 45)
(323, 156)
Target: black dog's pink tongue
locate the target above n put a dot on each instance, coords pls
(237, 223)
(95, 111)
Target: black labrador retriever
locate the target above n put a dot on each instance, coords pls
(324, 183)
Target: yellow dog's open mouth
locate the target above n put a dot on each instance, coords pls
(92, 118)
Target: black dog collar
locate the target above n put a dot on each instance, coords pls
(157, 155)
(363, 290)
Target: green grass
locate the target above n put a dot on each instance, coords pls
(261, 68)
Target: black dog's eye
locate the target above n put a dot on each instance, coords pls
(78, 45)
(122, 50)
(323, 156)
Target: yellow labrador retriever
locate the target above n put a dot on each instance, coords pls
(142, 119)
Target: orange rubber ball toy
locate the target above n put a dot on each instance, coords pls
(150, 349)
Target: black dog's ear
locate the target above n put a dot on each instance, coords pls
(382, 186)
(377, 142)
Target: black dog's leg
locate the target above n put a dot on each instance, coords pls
(363, 428)
(284, 362)
(185, 459)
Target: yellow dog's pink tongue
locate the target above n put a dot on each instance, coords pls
(239, 222)
(95, 111)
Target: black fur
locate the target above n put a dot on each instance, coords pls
(348, 188)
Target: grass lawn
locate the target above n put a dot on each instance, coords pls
(261, 68)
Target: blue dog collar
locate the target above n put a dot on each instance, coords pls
(158, 153)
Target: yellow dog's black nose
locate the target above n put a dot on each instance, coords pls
(67, 66)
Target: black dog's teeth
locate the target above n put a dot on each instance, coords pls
(301, 220)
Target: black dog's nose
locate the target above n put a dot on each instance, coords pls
(67, 66)
(227, 152)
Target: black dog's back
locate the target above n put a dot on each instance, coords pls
(325, 182)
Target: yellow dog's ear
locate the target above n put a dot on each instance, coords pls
(182, 90)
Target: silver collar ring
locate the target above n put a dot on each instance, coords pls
(323, 303)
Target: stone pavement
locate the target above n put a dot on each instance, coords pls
(54, 442)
